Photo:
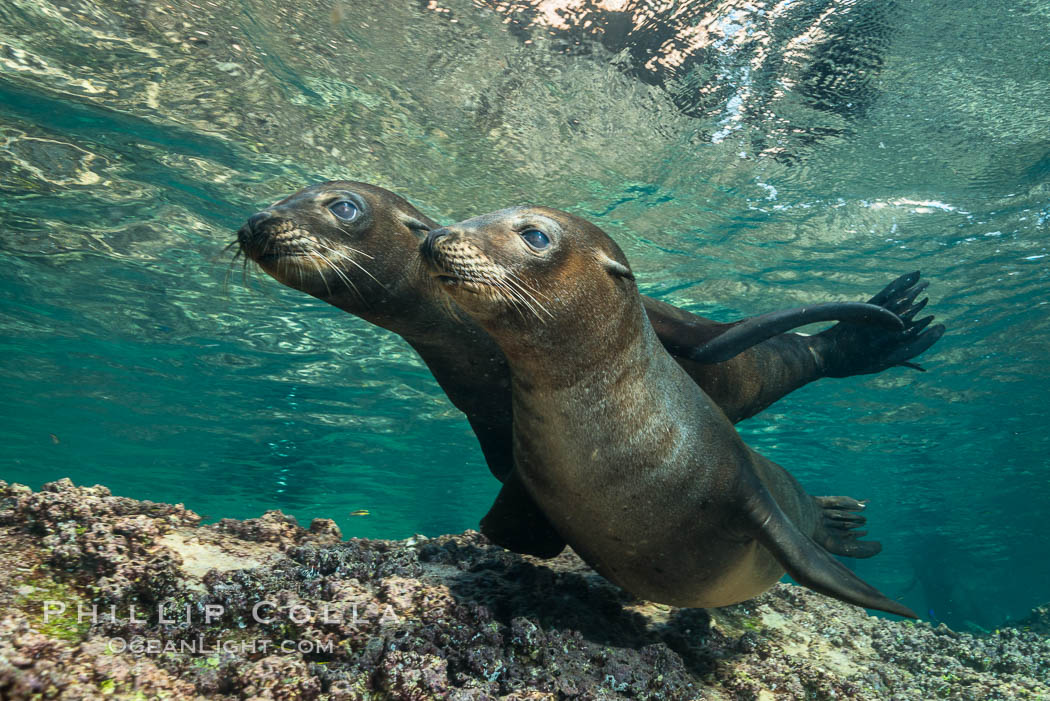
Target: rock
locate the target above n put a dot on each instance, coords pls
(263, 608)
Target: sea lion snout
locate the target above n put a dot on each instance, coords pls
(266, 236)
(448, 255)
(427, 248)
(461, 259)
(255, 220)
(248, 235)
(252, 237)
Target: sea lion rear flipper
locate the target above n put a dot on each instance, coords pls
(750, 332)
(808, 563)
(853, 349)
(678, 330)
(838, 532)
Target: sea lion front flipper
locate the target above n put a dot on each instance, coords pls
(750, 332)
(516, 523)
(808, 563)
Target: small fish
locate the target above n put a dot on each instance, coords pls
(360, 512)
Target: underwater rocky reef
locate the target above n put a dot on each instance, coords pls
(266, 609)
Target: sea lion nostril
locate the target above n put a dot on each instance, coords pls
(258, 218)
(427, 247)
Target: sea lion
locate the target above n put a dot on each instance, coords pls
(636, 467)
(355, 246)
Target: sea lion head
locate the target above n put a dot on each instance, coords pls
(528, 265)
(348, 243)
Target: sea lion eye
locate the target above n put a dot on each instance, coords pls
(344, 209)
(535, 238)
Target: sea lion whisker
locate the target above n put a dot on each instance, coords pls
(519, 298)
(351, 261)
(499, 289)
(226, 279)
(229, 268)
(345, 278)
(244, 274)
(341, 254)
(511, 274)
(360, 252)
(498, 292)
(365, 271)
(520, 293)
(524, 298)
(322, 276)
(528, 290)
(338, 254)
(340, 273)
(247, 280)
(493, 289)
(526, 293)
(349, 248)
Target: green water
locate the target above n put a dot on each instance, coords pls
(746, 160)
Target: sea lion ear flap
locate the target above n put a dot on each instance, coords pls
(615, 267)
(412, 223)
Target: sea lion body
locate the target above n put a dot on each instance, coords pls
(635, 466)
(603, 459)
(369, 266)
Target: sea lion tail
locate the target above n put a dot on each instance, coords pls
(809, 564)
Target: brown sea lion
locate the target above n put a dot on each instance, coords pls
(355, 246)
(634, 465)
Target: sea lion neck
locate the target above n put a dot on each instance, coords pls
(409, 307)
(600, 343)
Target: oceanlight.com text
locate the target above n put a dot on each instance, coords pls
(199, 646)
